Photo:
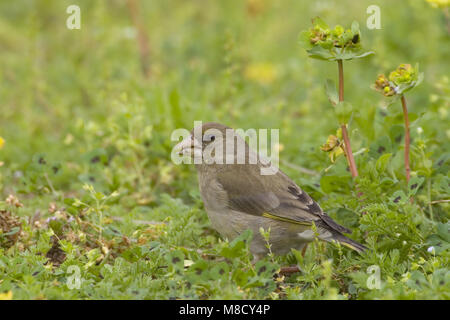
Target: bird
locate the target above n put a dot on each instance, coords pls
(237, 197)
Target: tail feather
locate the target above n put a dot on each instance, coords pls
(333, 224)
(352, 244)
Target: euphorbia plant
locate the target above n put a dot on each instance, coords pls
(334, 145)
(402, 79)
(336, 44)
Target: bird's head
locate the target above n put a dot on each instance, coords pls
(212, 143)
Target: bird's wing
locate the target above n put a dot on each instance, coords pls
(272, 196)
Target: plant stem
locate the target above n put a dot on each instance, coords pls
(430, 207)
(142, 36)
(50, 184)
(299, 168)
(440, 201)
(341, 80)
(347, 146)
(407, 138)
(447, 18)
(289, 270)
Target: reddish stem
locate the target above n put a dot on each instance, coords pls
(407, 138)
(347, 146)
(341, 80)
(142, 36)
(288, 270)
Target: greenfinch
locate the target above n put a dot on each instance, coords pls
(238, 197)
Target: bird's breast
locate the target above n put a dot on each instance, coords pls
(213, 195)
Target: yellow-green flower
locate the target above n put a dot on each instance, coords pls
(255, 7)
(402, 79)
(264, 73)
(318, 34)
(334, 146)
(382, 84)
(439, 3)
(404, 73)
(338, 30)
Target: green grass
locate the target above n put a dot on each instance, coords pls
(87, 149)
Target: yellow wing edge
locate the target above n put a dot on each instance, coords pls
(274, 217)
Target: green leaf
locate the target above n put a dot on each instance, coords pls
(199, 270)
(396, 133)
(443, 230)
(380, 146)
(387, 101)
(441, 277)
(69, 201)
(440, 240)
(404, 87)
(220, 271)
(241, 277)
(355, 27)
(344, 55)
(365, 54)
(57, 226)
(330, 88)
(343, 110)
(335, 183)
(443, 184)
(175, 260)
(398, 197)
(383, 162)
(317, 52)
(414, 185)
(419, 79)
(265, 268)
(317, 21)
(11, 232)
(237, 247)
(347, 217)
(417, 280)
(386, 181)
(304, 40)
(349, 55)
(99, 196)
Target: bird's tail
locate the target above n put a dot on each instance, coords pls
(349, 242)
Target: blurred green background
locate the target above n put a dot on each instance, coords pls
(236, 62)
(98, 105)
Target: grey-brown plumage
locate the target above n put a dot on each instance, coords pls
(238, 197)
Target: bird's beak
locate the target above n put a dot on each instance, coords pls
(188, 146)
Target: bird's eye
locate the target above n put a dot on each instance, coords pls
(209, 138)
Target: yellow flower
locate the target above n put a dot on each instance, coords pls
(439, 3)
(255, 7)
(264, 73)
(6, 296)
(403, 74)
(382, 84)
(278, 147)
(335, 153)
(334, 146)
(332, 142)
(2, 142)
